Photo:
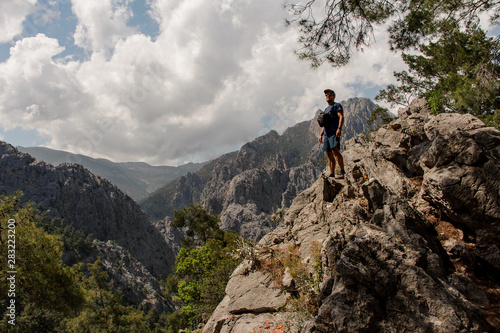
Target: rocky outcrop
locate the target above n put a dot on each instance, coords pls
(407, 242)
(245, 187)
(357, 112)
(249, 198)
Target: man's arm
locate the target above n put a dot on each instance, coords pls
(320, 139)
(341, 122)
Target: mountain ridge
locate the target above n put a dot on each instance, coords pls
(96, 207)
(246, 185)
(137, 179)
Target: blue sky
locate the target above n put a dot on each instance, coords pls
(163, 81)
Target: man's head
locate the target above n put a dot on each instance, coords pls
(330, 96)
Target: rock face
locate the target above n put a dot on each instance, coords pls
(245, 187)
(134, 280)
(408, 242)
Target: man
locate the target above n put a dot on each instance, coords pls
(332, 132)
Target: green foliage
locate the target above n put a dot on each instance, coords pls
(382, 114)
(303, 304)
(458, 72)
(404, 93)
(333, 31)
(278, 216)
(176, 321)
(202, 271)
(348, 25)
(72, 238)
(457, 65)
(201, 225)
(492, 120)
(104, 310)
(46, 291)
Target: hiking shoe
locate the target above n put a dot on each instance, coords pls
(332, 175)
(341, 176)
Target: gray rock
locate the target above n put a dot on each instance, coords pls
(254, 292)
(134, 281)
(464, 181)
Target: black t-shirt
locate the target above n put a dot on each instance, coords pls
(333, 109)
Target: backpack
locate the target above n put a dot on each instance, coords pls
(324, 119)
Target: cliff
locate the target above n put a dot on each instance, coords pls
(408, 242)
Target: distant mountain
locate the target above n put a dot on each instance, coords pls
(136, 179)
(245, 187)
(123, 235)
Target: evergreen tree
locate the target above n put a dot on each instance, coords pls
(104, 310)
(333, 30)
(201, 225)
(459, 73)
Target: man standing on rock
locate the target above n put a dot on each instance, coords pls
(332, 131)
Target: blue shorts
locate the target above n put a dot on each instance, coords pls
(330, 142)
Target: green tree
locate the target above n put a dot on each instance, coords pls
(50, 296)
(333, 31)
(104, 310)
(200, 225)
(382, 114)
(73, 239)
(459, 73)
(201, 270)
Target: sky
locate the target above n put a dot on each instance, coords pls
(164, 82)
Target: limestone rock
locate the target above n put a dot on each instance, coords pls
(254, 292)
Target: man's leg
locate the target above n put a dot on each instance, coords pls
(338, 157)
(331, 161)
(340, 161)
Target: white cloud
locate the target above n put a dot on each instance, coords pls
(37, 93)
(219, 74)
(12, 15)
(101, 23)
